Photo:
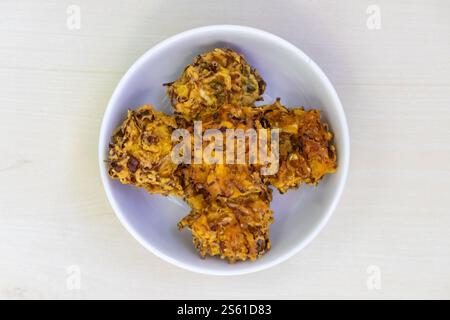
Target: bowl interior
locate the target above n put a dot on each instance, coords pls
(291, 75)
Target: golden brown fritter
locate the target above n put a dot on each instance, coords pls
(230, 214)
(215, 78)
(222, 179)
(306, 146)
(139, 153)
(230, 202)
(233, 229)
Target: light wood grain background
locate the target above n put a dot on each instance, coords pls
(395, 87)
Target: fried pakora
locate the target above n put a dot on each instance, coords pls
(233, 229)
(306, 150)
(230, 201)
(140, 152)
(223, 179)
(215, 78)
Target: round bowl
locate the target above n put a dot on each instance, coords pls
(290, 74)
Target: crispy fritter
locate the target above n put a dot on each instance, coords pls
(306, 154)
(230, 214)
(233, 229)
(140, 152)
(221, 179)
(230, 202)
(306, 147)
(215, 78)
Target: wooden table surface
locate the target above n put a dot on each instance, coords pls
(390, 235)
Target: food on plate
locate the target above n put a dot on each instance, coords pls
(230, 203)
(233, 229)
(229, 200)
(215, 78)
(306, 146)
(225, 179)
(140, 149)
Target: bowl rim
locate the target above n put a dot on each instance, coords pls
(344, 152)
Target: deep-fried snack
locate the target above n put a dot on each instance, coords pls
(230, 202)
(215, 78)
(140, 152)
(306, 147)
(222, 179)
(230, 214)
(233, 229)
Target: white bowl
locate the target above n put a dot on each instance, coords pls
(290, 74)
